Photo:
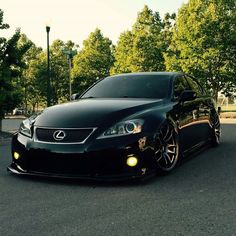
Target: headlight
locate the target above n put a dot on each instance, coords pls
(124, 128)
(25, 128)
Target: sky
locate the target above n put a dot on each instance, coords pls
(76, 19)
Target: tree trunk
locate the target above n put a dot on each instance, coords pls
(25, 101)
(215, 95)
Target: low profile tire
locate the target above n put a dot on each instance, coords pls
(167, 149)
(216, 130)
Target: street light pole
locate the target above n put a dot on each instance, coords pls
(70, 54)
(70, 66)
(48, 69)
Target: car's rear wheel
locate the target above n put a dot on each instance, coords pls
(167, 149)
(216, 130)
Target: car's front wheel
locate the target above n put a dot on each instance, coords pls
(167, 149)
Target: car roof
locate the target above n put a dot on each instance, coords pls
(171, 74)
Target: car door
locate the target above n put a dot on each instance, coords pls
(185, 114)
(201, 115)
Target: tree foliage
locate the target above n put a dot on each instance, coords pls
(141, 49)
(93, 61)
(200, 40)
(11, 65)
(204, 43)
(36, 74)
(123, 60)
(60, 71)
(31, 89)
(4, 84)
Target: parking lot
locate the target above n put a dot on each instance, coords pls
(11, 124)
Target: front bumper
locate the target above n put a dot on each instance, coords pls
(102, 159)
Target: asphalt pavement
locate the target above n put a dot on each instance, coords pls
(11, 124)
(198, 198)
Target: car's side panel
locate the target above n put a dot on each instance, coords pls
(201, 112)
(193, 116)
(183, 114)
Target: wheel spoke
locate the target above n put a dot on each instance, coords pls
(168, 138)
(169, 151)
(158, 151)
(171, 145)
(166, 134)
(166, 158)
(167, 148)
(169, 158)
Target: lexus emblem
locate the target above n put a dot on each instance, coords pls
(59, 135)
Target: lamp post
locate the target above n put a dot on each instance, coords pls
(70, 54)
(48, 69)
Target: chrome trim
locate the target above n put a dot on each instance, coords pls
(14, 171)
(59, 135)
(42, 127)
(114, 135)
(20, 168)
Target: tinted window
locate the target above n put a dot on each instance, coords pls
(180, 85)
(133, 86)
(195, 86)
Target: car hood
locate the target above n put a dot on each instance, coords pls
(93, 112)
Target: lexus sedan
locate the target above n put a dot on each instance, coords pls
(124, 126)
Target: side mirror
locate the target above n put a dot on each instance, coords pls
(187, 95)
(75, 96)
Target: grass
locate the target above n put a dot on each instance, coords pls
(228, 108)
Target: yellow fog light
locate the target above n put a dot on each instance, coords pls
(16, 155)
(132, 161)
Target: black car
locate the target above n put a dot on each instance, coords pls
(124, 126)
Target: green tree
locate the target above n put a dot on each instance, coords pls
(204, 43)
(11, 64)
(37, 74)
(93, 61)
(122, 54)
(60, 71)
(5, 86)
(147, 42)
(28, 79)
(141, 49)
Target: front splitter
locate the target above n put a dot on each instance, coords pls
(15, 169)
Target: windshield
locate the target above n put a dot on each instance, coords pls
(131, 86)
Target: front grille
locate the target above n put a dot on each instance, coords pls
(65, 135)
